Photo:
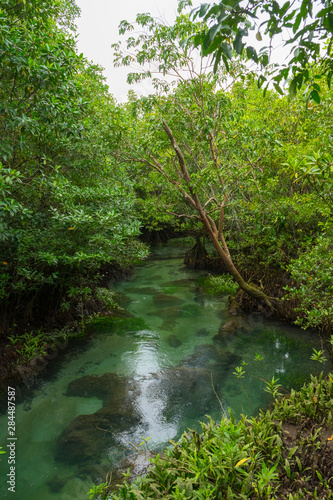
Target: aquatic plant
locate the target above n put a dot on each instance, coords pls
(98, 491)
(36, 343)
(272, 387)
(219, 284)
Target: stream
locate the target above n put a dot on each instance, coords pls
(153, 375)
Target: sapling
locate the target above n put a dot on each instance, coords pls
(272, 387)
(318, 356)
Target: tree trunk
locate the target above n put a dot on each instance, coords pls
(215, 233)
(227, 261)
(197, 256)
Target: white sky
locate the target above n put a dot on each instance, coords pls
(98, 29)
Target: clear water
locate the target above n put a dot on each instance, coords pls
(164, 373)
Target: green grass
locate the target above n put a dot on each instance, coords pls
(222, 284)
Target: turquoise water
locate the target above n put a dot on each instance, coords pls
(154, 375)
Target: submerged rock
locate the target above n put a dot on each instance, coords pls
(168, 324)
(168, 313)
(231, 325)
(121, 314)
(227, 330)
(185, 391)
(99, 386)
(181, 392)
(174, 341)
(163, 300)
(88, 436)
(190, 388)
(57, 483)
(202, 332)
(212, 356)
(192, 310)
(142, 290)
(185, 283)
(136, 463)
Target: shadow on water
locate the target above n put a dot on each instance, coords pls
(153, 374)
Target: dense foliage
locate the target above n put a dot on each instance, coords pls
(65, 208)
(206, 154)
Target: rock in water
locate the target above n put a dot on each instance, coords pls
(174, 341)
(211, 356)
(163, 300)
(57, 483)
(88, 436)
(202, 332)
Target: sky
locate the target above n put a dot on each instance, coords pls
(98, 29)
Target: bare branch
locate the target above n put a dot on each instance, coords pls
(179, 154)
(212, 198)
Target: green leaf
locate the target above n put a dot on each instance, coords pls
(213, 46)
(304, 8)
(264, 60)
(227, 49)
(203, 9)
(210, 36)
(225, 60)
(293, 88)
(217, 59)
(238, 44)
(330, 21)
(278, 88)
(315, 96)
(261, 80)
(252, 54)
(285, 7)
(297, 22)
(197, 40)
(213, 31)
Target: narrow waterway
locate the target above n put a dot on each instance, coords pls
(153, 374)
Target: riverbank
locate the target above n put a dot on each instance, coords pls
(275, 280)
(27, 348)
(284, 453)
